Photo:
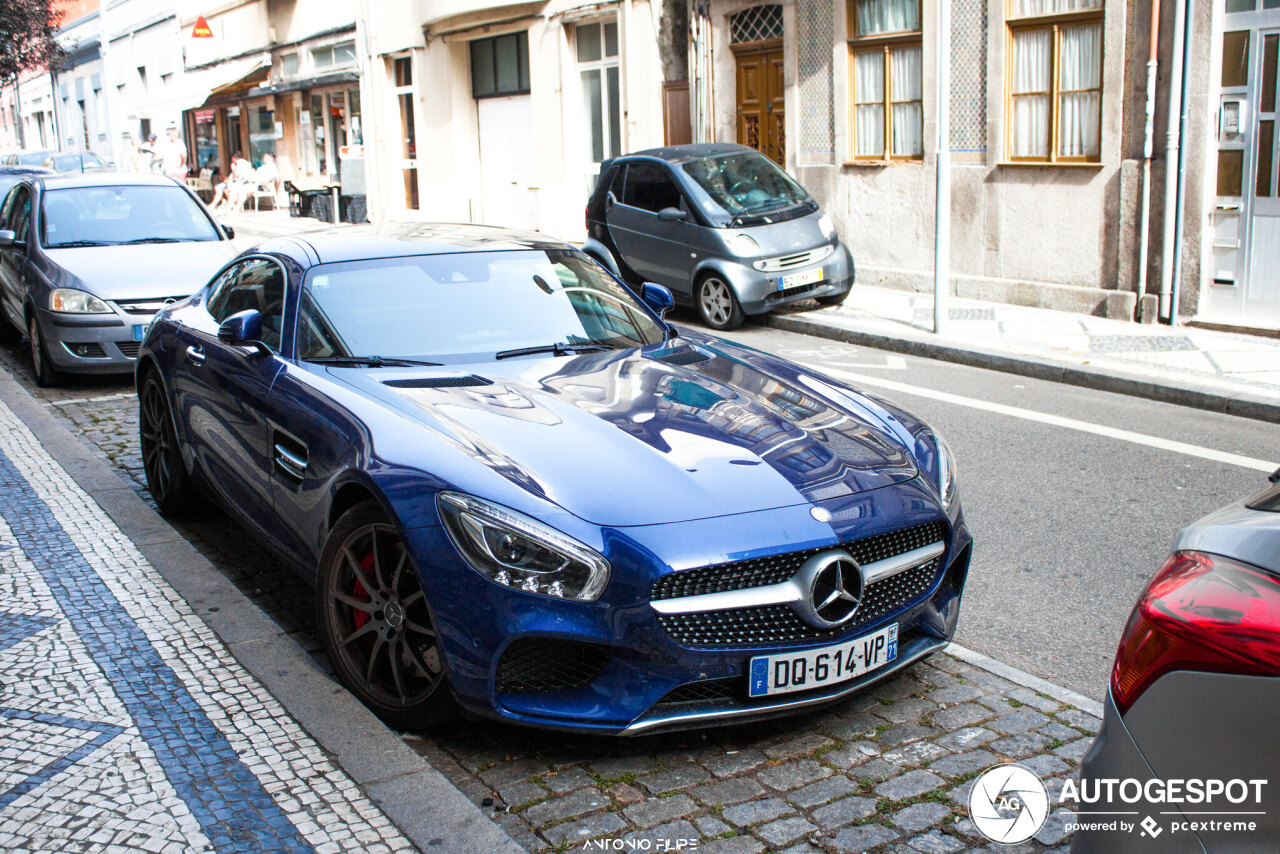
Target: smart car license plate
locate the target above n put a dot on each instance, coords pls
(817, 668)
(140, 332)
(795, 280)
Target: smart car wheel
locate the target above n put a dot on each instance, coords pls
(167, 479)
(376, 624)
(46, 374)
(718, 305)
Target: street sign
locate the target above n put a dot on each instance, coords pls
(201, 29)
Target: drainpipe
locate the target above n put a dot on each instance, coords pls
(1175, 283)
(1170, 245)
(1148, 149)
(57, 130)
(942, 197)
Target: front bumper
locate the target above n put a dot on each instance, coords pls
(759, 292)
(635, 677)
(92, 344)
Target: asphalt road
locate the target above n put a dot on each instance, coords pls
(1068, 525)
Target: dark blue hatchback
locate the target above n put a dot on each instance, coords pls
(519, 491)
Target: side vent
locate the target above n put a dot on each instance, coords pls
(439, 382)
(682, 356)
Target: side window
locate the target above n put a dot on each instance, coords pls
(19, 221)
(650, 188)
(255, 284)
(617, 176)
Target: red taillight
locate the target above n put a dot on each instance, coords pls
(586, 217)
(1200, 612)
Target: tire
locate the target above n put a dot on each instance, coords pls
(167, 479)
(834, 299)
(376, 624)
(45, 373)
(718, 305)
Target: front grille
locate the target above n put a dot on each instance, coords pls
(548, 664)
(439, 382)
(706, 691)
(128, 349)
(759, 572)
(146, 306)
(797, 291)
(780, 624)
(793, 261)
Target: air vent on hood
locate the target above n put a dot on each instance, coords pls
(682, 356)
(439, 382)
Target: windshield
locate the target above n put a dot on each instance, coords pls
(32, 158)
(745, 183)
(458, 306)
(107, 216)
(74, 162)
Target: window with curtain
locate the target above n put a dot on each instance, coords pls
(1055, 95)
(887, 114)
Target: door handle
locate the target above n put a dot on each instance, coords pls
(289, 462)
(195, 354)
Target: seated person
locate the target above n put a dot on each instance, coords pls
(226, 192)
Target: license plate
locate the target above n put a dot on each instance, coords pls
(817, 668)
(795, 280)
(140, 332)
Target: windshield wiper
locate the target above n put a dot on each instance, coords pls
(71, 244)
(558, 349)
(157, 240)
(373, 361)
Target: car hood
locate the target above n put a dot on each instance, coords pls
(675, 432)
(142, 271)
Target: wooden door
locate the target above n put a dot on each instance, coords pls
(761, 113)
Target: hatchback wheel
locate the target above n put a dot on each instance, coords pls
(718, 305)
(376, 624)
(167, 477)
(46, 374)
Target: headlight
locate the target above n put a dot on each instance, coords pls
(827, 225)
(77, 302)
(745, 244)
(935, 454)
(515, 551)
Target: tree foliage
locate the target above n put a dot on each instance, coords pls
(27, 37)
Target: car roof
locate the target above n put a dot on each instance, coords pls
(685, 153)
(18, 169)
(105, 179)
(402, 239)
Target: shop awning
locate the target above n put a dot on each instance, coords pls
(308, 83)
(196, 87)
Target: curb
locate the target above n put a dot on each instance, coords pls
(1241, 405)
(417, 798)
(1063, 695)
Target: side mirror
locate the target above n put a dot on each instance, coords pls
(7, 237)
(657, 298)
(243, 329)
(672, 215)
(228, 231)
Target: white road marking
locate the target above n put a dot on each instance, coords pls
(1058, 421)
(72, 400)
(891, 362)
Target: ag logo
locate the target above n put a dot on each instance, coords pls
(1008, 804)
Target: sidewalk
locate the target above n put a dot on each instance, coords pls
(253, 226)
(1222, 371)
(147, 706)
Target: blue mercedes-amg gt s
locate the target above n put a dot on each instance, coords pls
(521, 492)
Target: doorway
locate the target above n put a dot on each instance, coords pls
(761, 110)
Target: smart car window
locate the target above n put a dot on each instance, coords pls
(110, 216)
(745, 183)
(257, 285)
(460, 306)
(650, 188)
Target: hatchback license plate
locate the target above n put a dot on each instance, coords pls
(817, 668)
(140, 332)
(795, 280)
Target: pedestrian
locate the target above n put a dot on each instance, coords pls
(173, 155)
(147, 160)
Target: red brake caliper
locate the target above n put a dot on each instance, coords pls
(360, 617)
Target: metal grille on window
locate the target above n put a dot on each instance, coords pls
(756, 24)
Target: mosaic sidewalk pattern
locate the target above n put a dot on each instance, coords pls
(125, 725)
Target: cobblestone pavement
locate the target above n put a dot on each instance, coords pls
(124, 723)
(887, 770)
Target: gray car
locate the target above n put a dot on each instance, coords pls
(721, 226)
(1193, 699)
(87, 260)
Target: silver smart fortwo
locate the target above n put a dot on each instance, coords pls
(721, 226)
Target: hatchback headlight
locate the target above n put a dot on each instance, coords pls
(515, 551)
(73, 301)
(936, 457)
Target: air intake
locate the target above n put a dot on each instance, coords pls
(439, 382)
(682, 356)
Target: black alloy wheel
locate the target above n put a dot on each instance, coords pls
(376, 624)
(46, 374)
(167, 477)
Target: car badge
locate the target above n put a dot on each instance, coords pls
(833, 586)
(821, 514)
